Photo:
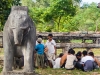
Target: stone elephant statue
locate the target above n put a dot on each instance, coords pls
(19, 37)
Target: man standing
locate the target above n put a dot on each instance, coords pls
(51, 49)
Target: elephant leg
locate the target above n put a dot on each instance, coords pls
(8, 59)
(21, 62)
(14, 63)
(28, 58)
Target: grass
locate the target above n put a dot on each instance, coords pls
(80, 41)
(0, 70)
(50, 71)
(1, 51)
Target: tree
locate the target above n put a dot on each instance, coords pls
(48, 15)
(5, 7)
(59, 9)
(63, 15)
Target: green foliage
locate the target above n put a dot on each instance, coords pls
(87, 18)
(5, 7)
(58, 10)
(57, 15)
(0, 70)
(51, 14)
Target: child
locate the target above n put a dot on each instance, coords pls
(78, 56)
(71, 58)
(40, 36)
(57, 61)
(51, 49)
(40, 53)
(87, 62)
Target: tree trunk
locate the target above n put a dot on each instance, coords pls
(96, 28)
(59, 23)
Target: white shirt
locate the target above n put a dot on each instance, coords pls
(51, 46)
(57, 63)
(85, 58)
(70, 60)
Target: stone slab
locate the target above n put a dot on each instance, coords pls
(18, 73)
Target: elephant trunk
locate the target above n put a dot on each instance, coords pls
(18, 35)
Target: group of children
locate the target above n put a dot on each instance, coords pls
(84, 61)
(45, 54)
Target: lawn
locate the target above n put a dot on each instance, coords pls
(0, 70)
(50, 71)
(1, 51)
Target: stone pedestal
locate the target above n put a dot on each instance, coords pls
(18, 73)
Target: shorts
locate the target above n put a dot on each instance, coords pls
(50, 56)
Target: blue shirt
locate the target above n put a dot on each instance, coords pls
(40, 48)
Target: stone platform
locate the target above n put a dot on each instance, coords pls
(18, 73)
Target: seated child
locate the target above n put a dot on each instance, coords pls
(96, 61)
(78, 56)
(40, 53)
(64, 58)
(56, 63)
(87, 62)
(71, 58)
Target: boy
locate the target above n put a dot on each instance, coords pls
(51, 49)
(40, 36)
(87, 62)
(96, 61)
(40, 53)
(71, 58)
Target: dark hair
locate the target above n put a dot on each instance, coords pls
(73, 52)
(61, 54)
(91, 53)
(79, 53)
(84, 52)
(50, 35)
(69, 51)
(40, 36)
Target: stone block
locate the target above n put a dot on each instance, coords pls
(18, 73)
